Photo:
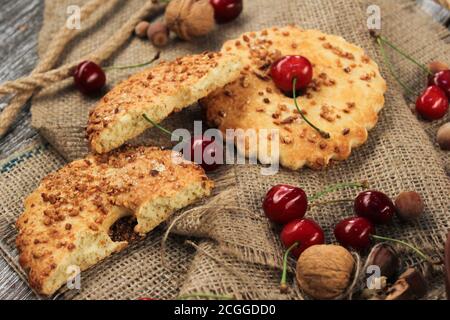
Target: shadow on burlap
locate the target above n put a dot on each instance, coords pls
(400, 155)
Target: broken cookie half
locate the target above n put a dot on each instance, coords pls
(159, 91)
(67, 218)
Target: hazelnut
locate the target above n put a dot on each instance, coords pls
(158, 34)
(141, 29)
(409, 205)
(443, 136)
(437, 66)
(325, 271)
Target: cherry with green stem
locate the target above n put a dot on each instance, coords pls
(324, 134)
(90, 78)
(207, 147)
(358, 233)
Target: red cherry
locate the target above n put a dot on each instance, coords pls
(375, 206)
(432, 104)
(284, 70)
(304, 231)
(284, 203)
(203, 151)
(147, 299)
(89, 77)
(226, 10)
(442, 80)
(354, 233)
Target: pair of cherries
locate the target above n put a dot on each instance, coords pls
(287, 205)
(371, 207)
(432, 104)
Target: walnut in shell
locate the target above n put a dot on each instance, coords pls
(325, 271)
(190, 18)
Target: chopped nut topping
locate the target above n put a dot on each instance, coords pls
(339, 52)
(289, 120)
(286, 140)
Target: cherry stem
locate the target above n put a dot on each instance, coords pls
(407, 56)
(283, 285)
(324, 134)
(391, 68)
(156, 57)
(157, 125)
(317, 204)
(339, 186)
(205, 295)
(417, 251)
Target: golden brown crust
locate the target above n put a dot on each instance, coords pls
(159, 91)
(344, 98)
(67, 218)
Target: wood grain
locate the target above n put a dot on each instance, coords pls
(20, 21)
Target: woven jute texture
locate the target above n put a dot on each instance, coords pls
(238, 251)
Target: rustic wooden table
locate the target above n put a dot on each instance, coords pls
(20, 22)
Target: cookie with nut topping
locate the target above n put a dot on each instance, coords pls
(158, 91)
(67, 219)
(343, 99)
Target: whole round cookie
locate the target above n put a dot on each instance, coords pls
(343, 99)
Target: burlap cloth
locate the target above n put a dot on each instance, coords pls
(238, 251)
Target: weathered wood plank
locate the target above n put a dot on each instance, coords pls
(20, 21)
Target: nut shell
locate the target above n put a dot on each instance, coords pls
(386, 257)
(410, 285)
(324, 271)
(190, 18)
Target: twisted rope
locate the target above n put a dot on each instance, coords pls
(25, 87)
